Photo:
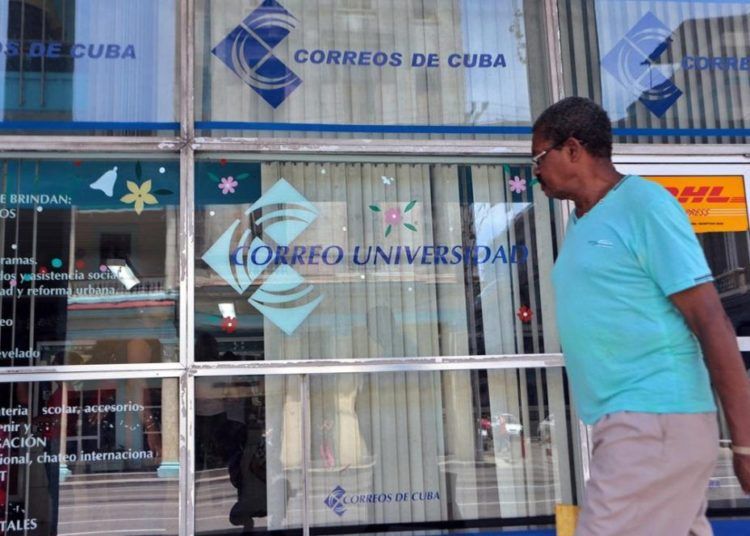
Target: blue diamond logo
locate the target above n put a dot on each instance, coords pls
(335, 501)
(634, 63)
(248, 52)
(284, 298)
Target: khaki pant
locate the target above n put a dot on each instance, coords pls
(649, 475)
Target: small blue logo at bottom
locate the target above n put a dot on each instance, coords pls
(335, 499)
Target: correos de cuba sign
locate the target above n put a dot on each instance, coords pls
(52, 49)
(248, 50)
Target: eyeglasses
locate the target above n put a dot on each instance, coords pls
(536, 160)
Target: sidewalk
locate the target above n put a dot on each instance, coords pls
(728, 527)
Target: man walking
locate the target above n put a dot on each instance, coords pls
(637, 313)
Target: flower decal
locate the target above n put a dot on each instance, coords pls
(517, 184)
(394, 216)
(524, 314)
(227, 185)
(229, 324)
(139, 196)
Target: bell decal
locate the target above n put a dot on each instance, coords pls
(106, 183)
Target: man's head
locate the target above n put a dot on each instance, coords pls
(570, 139)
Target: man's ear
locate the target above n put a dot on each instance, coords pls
(574, 149)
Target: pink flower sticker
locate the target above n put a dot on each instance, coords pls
(227, 185)
(517, 184)
(393, 216)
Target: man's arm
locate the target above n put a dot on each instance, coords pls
(703, 312)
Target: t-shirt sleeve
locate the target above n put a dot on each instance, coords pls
(669, 250)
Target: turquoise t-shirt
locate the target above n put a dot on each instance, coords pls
(626, 346)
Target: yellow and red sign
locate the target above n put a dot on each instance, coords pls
(714, 204)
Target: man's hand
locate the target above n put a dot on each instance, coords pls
(742, 470)
(705, 315)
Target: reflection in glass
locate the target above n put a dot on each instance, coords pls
(728, 255)
(335, 260)
(89, 262)
(413, 447)
(248, 453)
(56, 65)
(414, 62)
(661, 65)
(88, 456)
(383, 448)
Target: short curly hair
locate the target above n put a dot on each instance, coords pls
(580, 118)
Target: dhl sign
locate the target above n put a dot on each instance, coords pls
(714, 204)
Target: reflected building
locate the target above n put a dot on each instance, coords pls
(283, 266)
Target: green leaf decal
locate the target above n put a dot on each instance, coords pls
(138, 171)
(213, 177)
(506, 168)
(410, 205)
(410, 227)
(375, 208)
(242, 176)
(388, 230)
(162, 191)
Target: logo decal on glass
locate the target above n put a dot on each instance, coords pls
(242, 262)
(633, 63)
(334, 501)
(247, 51)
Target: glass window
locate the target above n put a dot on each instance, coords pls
(89, 266)
(388, 448)
(248, 452)
(728, 255)
(83, 65)
(302, 260)
(412, 447)
(667, 72)
(404, 69)
(85, 457)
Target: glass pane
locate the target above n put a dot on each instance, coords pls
(89, 266)
(84, 65)
(405, 69)
(248, 453)
(347, 260)
(729, 258)
(417, 447)
(667, 72)
(89, 457)
(384, 448)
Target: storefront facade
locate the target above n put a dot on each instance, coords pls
(282, 266)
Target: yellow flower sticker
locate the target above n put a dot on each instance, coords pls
(139, 196)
